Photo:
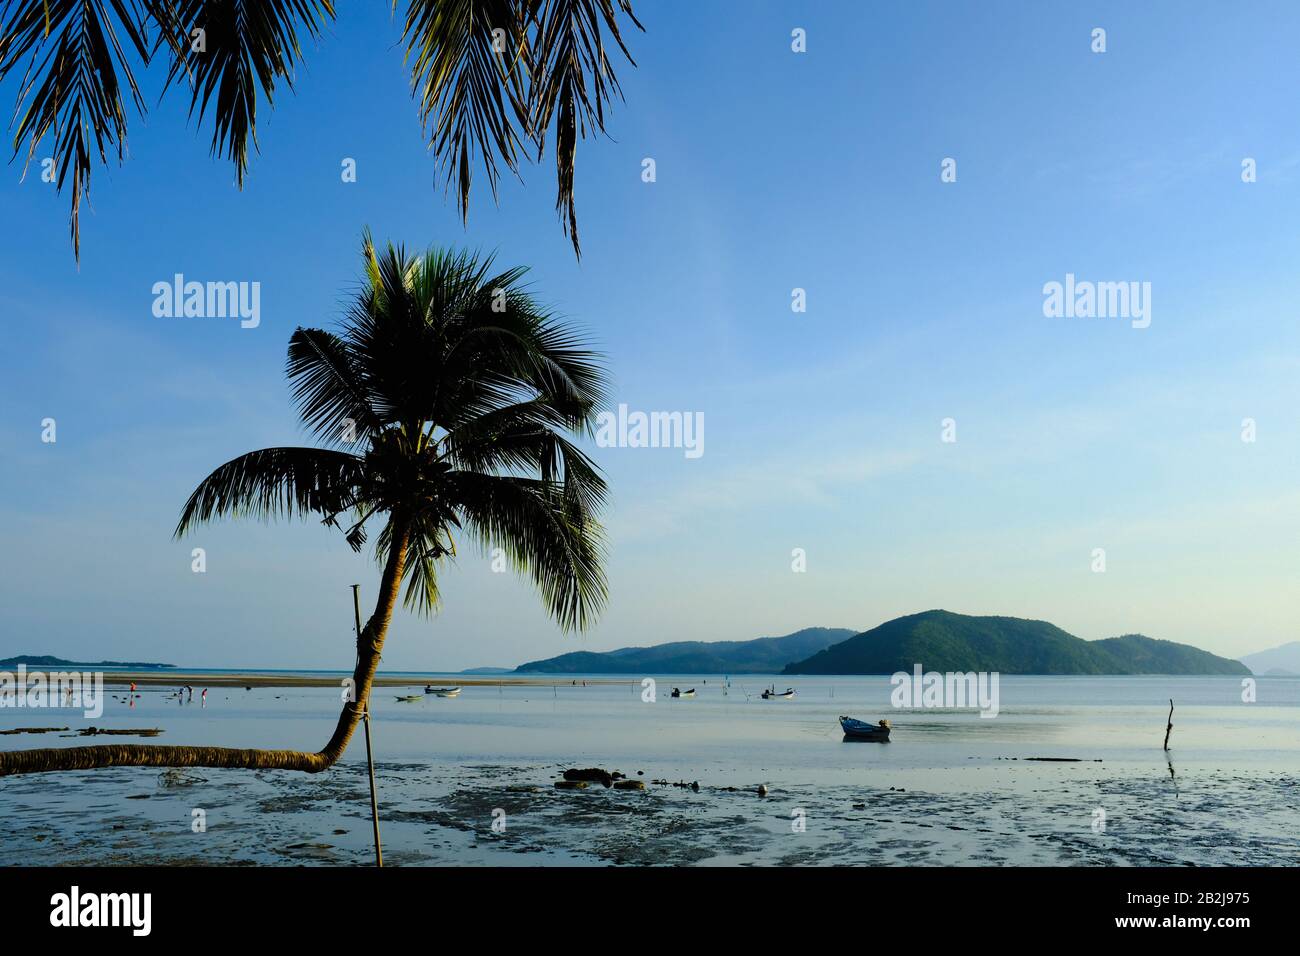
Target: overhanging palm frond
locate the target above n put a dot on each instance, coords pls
(468, 61)
(277, 482)
(489, 74)
(247, 47)
(572, 81)
(72, 80)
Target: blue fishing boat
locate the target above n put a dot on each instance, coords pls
(860, 730)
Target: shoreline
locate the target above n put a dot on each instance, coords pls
(262, 679)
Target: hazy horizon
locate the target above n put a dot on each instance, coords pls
(824, 429)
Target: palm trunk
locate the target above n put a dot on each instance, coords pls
(369, 645)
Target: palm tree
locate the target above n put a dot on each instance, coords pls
(459, 390)
(493, 78)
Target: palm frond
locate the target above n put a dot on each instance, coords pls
(428, 545)
(546, 534)
(525, 347)
(249, 46)
(521, 438)
(468, 71)
(277, 482)
(73, 83)
(330, 390)
(572, 81)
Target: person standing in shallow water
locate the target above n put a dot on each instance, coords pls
(203, 698)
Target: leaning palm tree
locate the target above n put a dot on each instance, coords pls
(492, 78)
(442, 404)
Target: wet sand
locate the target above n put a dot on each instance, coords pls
(446, 816)
(951, 788)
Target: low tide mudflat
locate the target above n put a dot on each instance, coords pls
(951, 788)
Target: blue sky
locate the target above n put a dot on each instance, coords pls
(775, 170)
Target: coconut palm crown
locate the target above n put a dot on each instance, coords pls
(444, 401)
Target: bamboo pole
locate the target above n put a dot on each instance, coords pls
(370, 759)
(1170, 726)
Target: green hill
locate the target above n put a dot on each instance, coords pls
(765, 655)
(943, 641)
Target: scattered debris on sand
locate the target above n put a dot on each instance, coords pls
(31, 730)
(99, 731)
(176, 777)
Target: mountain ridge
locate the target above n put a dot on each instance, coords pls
(943, 640)
(762, 655)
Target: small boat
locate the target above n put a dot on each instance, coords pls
(771, 694)
(410, 697)
(861, 730)
(442, 691)
(683, 693)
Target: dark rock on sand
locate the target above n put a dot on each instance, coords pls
(591, 775)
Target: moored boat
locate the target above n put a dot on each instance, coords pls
(861, 730)
(772, 694)
(677, 692)
(442, 691)
(410, 697)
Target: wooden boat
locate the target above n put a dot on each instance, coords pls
(410, 697)
(442, 691)
(771, 694)
(683, 693)
(860, 730)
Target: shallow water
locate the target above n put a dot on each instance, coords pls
(950, 788)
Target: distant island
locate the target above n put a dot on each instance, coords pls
(764, 655)
(46, 661)
(1283, 661)
(944, 641)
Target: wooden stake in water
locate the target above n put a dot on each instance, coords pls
(365, 715)
(1169, 726)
